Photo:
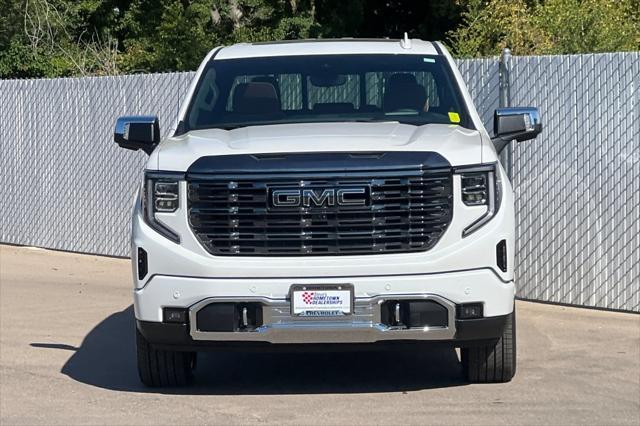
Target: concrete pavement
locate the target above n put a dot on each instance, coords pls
(67, 356)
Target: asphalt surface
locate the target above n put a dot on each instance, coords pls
(67, 356)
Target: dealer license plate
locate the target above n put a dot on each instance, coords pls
(321, 300)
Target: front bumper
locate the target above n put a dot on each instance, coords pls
(177, 337)
(364, 325)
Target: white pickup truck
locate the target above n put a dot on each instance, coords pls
(333, 193)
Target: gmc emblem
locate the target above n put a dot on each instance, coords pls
(318, 197)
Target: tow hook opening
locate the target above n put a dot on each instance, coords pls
(229, 317)
(413, 314)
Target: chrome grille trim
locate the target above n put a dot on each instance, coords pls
(409, 212)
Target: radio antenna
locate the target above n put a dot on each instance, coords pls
(405, 43)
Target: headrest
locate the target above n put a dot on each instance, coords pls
(255, 98)
(268, 79)
(402, 91)
(400, 80)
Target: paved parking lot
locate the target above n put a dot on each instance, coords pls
(67, 357)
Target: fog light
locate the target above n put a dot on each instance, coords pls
(176, 315)
(469, 311)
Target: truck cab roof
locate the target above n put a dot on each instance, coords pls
(343, 46)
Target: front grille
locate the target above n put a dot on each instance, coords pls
(408, 212)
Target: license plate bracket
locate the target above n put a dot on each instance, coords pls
(321, 300)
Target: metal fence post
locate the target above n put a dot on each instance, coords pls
(504, 87)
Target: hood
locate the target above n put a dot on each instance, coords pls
(458, 145)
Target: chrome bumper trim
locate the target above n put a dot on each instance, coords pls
(363, 326)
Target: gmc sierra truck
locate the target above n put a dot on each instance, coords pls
(325, 194)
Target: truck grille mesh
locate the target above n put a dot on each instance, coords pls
(409, 211)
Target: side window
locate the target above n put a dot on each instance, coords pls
(374, 88)
(291, 91)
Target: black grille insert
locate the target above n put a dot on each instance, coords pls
(408, 211)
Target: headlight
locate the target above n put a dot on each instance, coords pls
(474, 189)
(161, 194)
(165, 196)
(481, 186)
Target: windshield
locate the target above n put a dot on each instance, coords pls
(412, 89)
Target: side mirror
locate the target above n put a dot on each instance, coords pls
(137, 132)
(519, 124)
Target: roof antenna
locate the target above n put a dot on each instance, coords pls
(405, 43)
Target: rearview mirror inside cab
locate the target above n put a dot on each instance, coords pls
(519, 124)
(137, 132)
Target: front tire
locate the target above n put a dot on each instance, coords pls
(493, 363)
(160, 368)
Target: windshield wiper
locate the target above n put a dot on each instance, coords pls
(233, 126)
(370, 120)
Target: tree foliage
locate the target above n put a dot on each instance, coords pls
(47, 38)
(547, 27)
(50, 38)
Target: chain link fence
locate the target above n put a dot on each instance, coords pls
(67, 186)
(577, 185)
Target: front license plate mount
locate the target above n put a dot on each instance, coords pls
(321, 300)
